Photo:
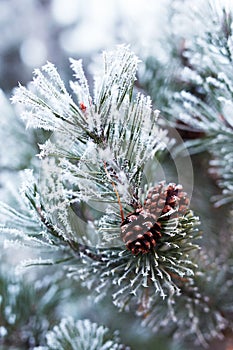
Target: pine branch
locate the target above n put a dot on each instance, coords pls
(81, 335)
(94, 211)
(200, 314)
(199, 92)
(131, 279)
(12, 130)
(27, 310)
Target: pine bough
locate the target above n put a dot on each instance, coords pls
(93, 174)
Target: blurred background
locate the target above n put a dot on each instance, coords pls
(36, 31)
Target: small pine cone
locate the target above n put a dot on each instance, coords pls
(163, 199)
(141, 230)
(176, 199)
(155, 200)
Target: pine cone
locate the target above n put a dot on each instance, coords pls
(141, 230)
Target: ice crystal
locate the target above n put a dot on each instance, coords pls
(97, 141)
(92, 174)
(202, 110)
(125, 131)
(202, 318)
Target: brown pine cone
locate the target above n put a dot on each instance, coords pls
(141, 230)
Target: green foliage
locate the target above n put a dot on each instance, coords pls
(27, 310)
(199, 314)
